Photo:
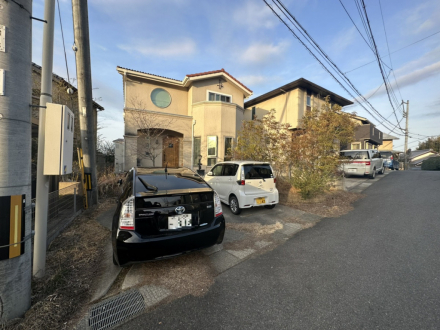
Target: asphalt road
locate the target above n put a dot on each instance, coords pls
(377, 267)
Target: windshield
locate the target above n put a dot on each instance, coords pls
(168, 182)
(354, 154)
(386, 154)
(257, 171)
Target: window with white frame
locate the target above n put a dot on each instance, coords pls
(219, 97)
(212, 145)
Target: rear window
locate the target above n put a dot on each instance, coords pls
(170, 182)
(385, 154)
(257, 171)
(354, 154)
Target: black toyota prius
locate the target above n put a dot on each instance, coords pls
(164, 212)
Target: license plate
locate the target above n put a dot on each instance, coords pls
(260, 200)
(351, 170)
(179, 221)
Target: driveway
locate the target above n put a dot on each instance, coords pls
(359, 183)
(376, 267)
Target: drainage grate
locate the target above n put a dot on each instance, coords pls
(113, 311)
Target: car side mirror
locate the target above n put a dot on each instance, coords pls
(209, 174)
(119, 182)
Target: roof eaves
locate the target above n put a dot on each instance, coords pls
(220, 71)
(301, 82)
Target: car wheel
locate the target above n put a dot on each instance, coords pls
(234, 205)
(373, 174)
(382, 171)
(270, 206)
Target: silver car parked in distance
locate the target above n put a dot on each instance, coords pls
(362, 162)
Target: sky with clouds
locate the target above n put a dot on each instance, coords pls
(173, 38)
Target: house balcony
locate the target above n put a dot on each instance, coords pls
(368, 133)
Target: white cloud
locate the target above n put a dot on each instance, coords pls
(181, 47)
(260, 53)
(255, 15)
(423, 17)
(344, 39)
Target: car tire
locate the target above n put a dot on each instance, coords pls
(382, 171)
(373, 174)
(270, 206)
(114, 260)
(234, 205)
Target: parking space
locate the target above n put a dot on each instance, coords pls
(358, 184)
(254, 231)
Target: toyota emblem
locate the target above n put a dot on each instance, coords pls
(180, 210)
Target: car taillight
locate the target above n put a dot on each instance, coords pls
(217, 205)
(274, 180)
(391, 158)
(241, 182)
(367, 163)
(126, 217)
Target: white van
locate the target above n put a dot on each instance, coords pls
(244, 184)
(362, 162)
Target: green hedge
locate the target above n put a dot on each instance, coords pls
(431, 164)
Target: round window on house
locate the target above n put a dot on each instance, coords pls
(161, 98)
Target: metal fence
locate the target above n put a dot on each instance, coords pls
(64, 205)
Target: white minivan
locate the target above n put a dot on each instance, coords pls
(244, 184)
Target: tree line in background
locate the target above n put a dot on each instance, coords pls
(307, 157)
(430, 143)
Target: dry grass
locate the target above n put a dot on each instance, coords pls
(60, 298)
(256, 228)
(183, 275)
(332, 204)
(108, 182)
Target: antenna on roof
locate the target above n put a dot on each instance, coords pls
(166, 170)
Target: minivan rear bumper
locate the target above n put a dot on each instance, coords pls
(247, 201)
(136, 249)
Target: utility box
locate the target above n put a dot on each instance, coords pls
(58, 142)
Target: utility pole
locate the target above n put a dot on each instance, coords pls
(42, 196)
(406, 133)
(15, 158)
(85, 101)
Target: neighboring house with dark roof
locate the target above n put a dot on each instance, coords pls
(416, 157)
(388, 142)
(206, 110)
(366, 135)
(291, 102)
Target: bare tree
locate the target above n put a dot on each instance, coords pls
(152, 129)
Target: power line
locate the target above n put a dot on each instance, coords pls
(325, 57)
(398, 50)
(376, 51)
(62, 36)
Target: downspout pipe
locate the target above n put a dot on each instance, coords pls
(192, 144)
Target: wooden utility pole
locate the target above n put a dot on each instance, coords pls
(85, 101)
(406, 133)
(15, 158)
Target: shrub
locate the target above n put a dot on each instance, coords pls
(309, 182)
(431, 164)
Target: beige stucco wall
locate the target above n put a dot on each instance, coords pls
(286, 107)
(386, 145)
(199, 90)
(138, 96)
(216, 119)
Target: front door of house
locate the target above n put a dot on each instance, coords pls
(170, 152)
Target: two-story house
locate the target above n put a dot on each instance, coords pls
(366, 135)
(197, 116)
(291, 101)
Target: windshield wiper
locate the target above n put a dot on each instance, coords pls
(148, 186)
